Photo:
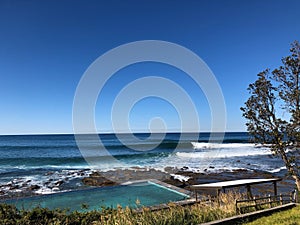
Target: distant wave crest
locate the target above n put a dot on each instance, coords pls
(212, 150)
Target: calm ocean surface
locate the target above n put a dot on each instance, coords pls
(32, 156)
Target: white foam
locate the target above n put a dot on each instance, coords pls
(219, 154)
(202, 145)
(44, 191)
(225, 150)
(277, 169)
(180, 177)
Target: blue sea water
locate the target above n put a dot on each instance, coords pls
(30, 157)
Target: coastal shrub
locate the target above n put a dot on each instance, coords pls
(8, 214)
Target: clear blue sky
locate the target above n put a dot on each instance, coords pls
(45, 47)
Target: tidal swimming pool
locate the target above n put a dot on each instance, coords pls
(134, 195)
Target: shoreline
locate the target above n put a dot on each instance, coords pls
(67, 180)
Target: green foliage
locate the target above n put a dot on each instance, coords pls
(273, 110)
(291, 217)
(9, 214)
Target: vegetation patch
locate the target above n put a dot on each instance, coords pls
(290, 217)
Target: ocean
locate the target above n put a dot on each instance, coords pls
(42, 160)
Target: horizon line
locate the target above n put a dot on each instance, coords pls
(138, 132)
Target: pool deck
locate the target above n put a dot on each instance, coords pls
(172, 187)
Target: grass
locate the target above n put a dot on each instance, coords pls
(288, 217)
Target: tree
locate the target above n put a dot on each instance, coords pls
(273, 111)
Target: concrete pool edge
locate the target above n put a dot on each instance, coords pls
(171, 187)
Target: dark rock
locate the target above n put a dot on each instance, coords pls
(24, 184)
(169, 169)
(49, 173)
(95, 179)
(174, 182)
(34, 187)
(58, 183)
(14, 187)
(239, 170)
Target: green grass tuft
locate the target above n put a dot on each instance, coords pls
(288, 217)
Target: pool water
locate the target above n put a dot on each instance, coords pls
(134, 195)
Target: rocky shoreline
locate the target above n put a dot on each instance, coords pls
(65, 180)
(50, 182)
(183, 178)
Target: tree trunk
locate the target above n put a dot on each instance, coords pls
(292, 170)
(297, 179)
